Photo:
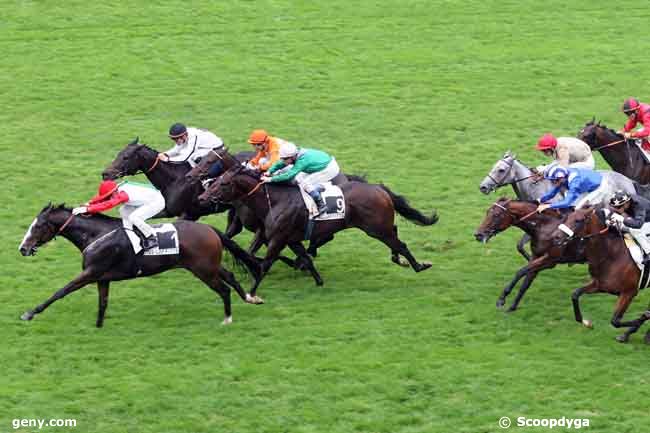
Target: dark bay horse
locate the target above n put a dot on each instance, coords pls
(181, 197)
(611, 266)
(368, 207)
(108, 256)
(623, 156)
(506, 213)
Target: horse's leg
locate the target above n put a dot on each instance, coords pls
(390, 239)
(315, 244)
(394, 255)
(521, 246)
(273, 249)
(235, 225)
(102, 291)
(622, 304)
(229, 278)
(634, 326)
(518, 276)
(592, 287)
(212, 279)
(300, 251)
(533, 269)
(87, 276)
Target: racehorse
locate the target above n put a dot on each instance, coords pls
(506, 213)
(168, 177)
(368, 207)
(622, 155)
(108, 256)
(526, 184)
(611, 266)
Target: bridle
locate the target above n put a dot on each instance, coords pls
(515, 220)
(498, 184)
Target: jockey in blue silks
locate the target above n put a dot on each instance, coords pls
(581, 185)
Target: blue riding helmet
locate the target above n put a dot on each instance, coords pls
(556, 172)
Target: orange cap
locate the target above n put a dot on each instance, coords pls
(258, 136)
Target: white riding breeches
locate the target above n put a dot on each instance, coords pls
(137, 215)
(597, 196)
(641, 236)
(590, 163)
(308, 181)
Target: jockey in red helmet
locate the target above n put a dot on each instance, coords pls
(566, 151)
(637, 112)
(140, 202)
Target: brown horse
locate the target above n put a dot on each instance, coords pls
(367, 207)
(505, 213)
(108, 255)
(611, 266)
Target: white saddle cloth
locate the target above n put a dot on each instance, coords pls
(333, 197)
(167, 240)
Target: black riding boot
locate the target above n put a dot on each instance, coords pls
(320, 203)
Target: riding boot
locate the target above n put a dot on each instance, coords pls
(320, 203)
(150, 242)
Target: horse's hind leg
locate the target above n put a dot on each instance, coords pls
(211, 278)
(634, 326)
(622, 304)
(397, 247)
(394, 255)
(229, 278)
(300, 251)
(102, 292)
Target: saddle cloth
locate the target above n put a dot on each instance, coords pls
(167, 240)
(645, 153)
(334, 200)
(637, 255)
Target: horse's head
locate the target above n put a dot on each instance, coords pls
(596, 135)
(582, 223)
(133, 158)
(232, 185)
(498, 218)
(202, 169)
(45, 226)
(500, 175)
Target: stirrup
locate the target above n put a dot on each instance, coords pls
(150, 242)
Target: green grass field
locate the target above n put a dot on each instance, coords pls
(422, 95)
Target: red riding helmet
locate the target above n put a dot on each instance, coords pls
(630, 105)
(547, 142)
(106, 188)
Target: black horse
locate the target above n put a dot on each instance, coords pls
(108, 255)
(368, 207)
(622, 155)
(181, 196)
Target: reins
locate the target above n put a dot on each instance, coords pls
(608, 145)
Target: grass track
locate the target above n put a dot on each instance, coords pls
(422, 95)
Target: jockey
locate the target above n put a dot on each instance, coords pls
(192, 144)
(581, 185)
(632, 213)
(310, 167)
(637, 113)
(566, 151)
(141, 202)
(268, 150)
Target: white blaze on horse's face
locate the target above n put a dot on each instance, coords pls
(28, 234)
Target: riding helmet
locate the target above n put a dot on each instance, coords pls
(258, 136)
(176, 130)
(619, 198)
(630, 105)
(555, 172)
(547, 142)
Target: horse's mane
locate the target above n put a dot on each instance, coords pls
(62, 206)
(603, 126)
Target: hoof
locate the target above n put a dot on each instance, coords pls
(501, 303)
(624, 338)
(227, 320)
(511, 309)
(588, 323)
(423, 267)
(257, 300)
(28, 315)
(646, 339)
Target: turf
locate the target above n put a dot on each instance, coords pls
(422, 95)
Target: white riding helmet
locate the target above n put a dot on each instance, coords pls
(288, 149)
(556, 172)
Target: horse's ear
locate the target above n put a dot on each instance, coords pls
(507, 154)
(136, 141)
(593, 120)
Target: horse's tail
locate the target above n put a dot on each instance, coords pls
(404, 209)
(241, 257)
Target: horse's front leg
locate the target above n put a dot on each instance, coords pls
(521, 246)
(530, 277)
(102, 291)
(300, 251)
(518, 276)
(592, 287)
(273, 249)
(87, 276)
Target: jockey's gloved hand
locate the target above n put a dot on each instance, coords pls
(618, 218)
(79, 210)
(265, 179)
